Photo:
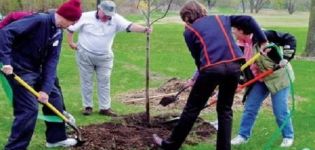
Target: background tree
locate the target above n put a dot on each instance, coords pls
(243, 6)
(310, 42)
(256, 5)
(210, 3)
(291, 6)
(251, 5)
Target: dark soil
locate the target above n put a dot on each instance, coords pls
(133, 133)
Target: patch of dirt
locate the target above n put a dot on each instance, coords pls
(131, 132)
(170, 88)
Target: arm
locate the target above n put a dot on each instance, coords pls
(11, 32)
(70, 40)
(50, 65)
(125, 25)
(138, 28)
(74, 28)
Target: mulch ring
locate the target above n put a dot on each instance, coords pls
(131, 132)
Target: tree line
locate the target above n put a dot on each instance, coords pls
(252, 6)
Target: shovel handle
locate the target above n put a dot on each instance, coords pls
(32, 90)
(250, 61)
(181, 90)
(258, 77)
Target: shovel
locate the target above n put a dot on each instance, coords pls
(51, 107)
(173, 120)
(170, 99)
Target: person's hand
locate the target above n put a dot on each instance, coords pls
(283, 63)
(43, 97)
(189, 83)
(7, 69)
(74, 46)
(263, 50)
(148, 30)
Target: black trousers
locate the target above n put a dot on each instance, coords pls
(226, 77)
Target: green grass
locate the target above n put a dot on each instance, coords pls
(170, 58)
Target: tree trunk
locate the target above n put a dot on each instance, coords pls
(291, 6)
(251, 5)
(310, 42)
(20, 3)
(147, 83)
(243, 6)
(211, 3)
(258, 5)
(97, 2)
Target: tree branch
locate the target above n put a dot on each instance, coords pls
(168, 8)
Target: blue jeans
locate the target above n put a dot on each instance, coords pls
(256, 96)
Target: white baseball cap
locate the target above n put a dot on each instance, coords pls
(108, 7)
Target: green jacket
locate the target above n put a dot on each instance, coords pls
(280, 78)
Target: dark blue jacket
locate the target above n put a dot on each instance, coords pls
(210, 39)
(32, 44)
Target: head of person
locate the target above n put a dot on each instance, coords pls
(241, 33)
(192, 10)
(106, 10)
(68, 13)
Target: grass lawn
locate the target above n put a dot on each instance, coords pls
(170, 58)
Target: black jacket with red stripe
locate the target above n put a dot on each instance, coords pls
(211, 42)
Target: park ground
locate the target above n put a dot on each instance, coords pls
(169, 59)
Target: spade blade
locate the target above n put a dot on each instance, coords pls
(167, 100)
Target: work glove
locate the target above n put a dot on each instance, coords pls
(283, 63)
(70, 117)
(288, 52)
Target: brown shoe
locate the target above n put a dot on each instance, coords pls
(87, 111)
(107, 112)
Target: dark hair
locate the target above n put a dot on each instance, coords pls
(192, 10)
(245, 28)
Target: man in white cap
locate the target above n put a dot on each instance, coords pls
(96, 33)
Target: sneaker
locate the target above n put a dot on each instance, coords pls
(238, 140)
(286, 142)
(107, 112)
(65, 143)
(87, 111)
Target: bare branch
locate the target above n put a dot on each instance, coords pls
(164, 15)
(146, 16)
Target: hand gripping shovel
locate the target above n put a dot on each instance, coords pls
(170, 99)
(51, 107)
